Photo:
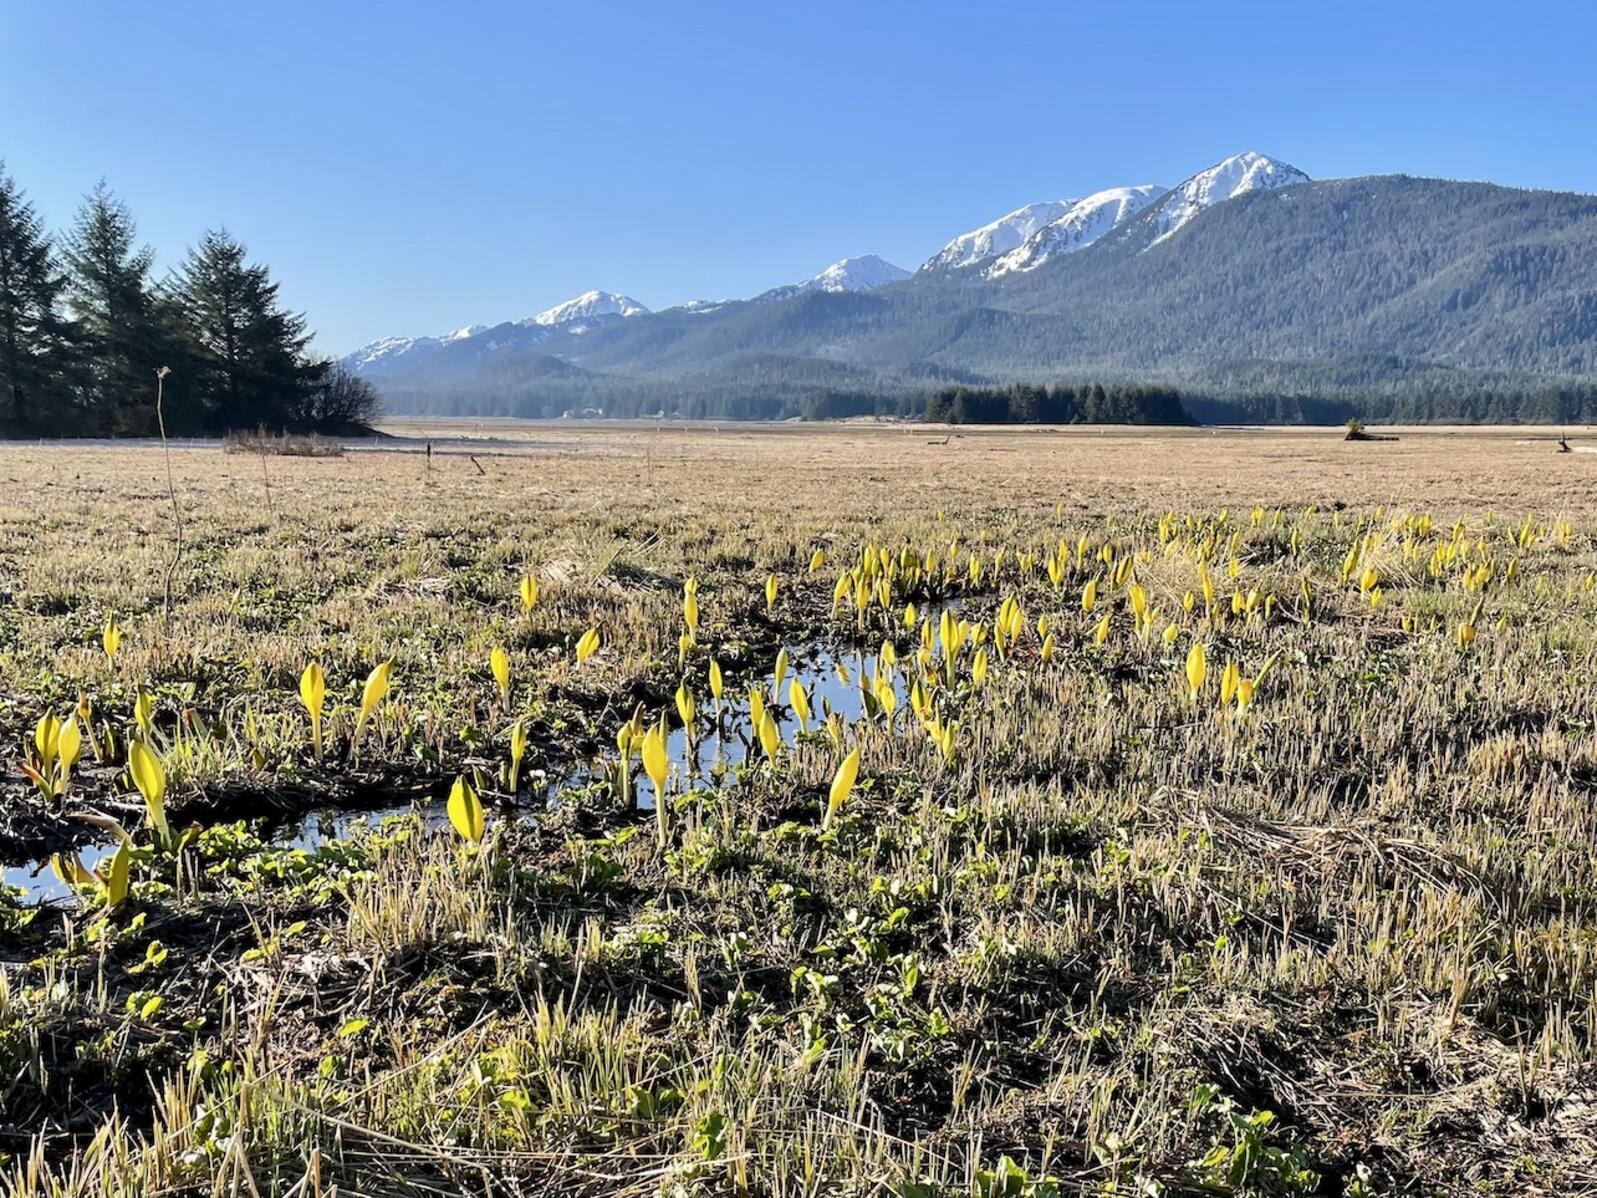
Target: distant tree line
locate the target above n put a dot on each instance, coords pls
(1089, 403)
(84, 328)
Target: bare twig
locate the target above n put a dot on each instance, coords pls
(171, 490)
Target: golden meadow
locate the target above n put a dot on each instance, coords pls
(801, 811)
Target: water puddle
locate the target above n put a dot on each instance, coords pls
(720, 744)
(38, 881)
(723, 742)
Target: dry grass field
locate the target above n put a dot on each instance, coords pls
(1129, 812)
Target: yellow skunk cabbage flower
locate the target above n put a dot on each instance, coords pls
(834, 726)
(690, 612)
(465, 811)
(886, 697)
(372, 694)
(1089, 595)
(800, 702)
(70, 870)
(817, 560)
(842, 787)
(499, 663)
(518, 750)
(116, 878)
(1466, 630)
(68, 747)
(779, 673)
(1012, 618)
(770, 738)
(1139, 602)
(1245, 688)
(529, 592)
(46, 736)
(587, 645)
(1197, 668)
(717, 682)
(1230, 679)
(978, 667)
(144, 712)
(111, 638)
(843, 589)
(149, 775)
(655, 764)
(313, 693)
(1100, 632)
(627, 736)
(909, 615)
(1047, 651)
(685, 708)
(770, 591)
(756, 710)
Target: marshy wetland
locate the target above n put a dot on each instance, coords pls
(789, 811)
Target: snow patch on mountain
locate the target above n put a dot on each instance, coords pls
(857, 274)
(847, 274)
(1000, 236)
(586, 307)
(393, 353)
(1085, 222)
(1225, 180)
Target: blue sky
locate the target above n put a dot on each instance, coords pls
(407, 168)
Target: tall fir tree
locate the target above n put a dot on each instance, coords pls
(111, 296)
(35, 338)
(247, 355)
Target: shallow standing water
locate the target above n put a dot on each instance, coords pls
(720, 744)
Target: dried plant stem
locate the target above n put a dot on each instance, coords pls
(171, 491)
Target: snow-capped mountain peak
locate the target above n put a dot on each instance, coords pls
(471, 330)
(587, 306)
(1080, 226)
(385, 350)
(997, 237)
(846, 274)
(857, 274)
(1225, 180)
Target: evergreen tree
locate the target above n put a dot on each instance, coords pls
(35, 343)
(109, 293)
(246, 354)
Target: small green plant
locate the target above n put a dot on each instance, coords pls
(1245, 1158)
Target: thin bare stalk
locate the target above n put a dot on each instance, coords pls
(171, 491)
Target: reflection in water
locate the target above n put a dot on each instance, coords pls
(833, 684)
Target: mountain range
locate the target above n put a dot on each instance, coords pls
(1246, 282)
